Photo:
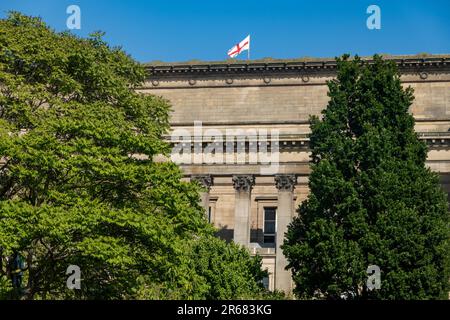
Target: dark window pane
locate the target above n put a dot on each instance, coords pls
(269, 213)
(265, 282)
(269, 239)
(269, 226)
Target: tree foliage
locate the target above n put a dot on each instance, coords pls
(373, 201)
(74, 192)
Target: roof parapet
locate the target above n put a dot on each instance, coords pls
(283, 66)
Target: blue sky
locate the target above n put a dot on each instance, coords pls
(170, 30)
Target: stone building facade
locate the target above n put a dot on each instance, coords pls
(252, 201)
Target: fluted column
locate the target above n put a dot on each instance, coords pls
(285, 208)
(206, 181)
(243, 184)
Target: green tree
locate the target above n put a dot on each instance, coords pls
(226, 280)
(225, 270)
(79, 184)
(372, 200)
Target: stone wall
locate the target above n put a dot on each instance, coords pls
(249, 101)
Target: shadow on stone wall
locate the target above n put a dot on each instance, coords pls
(225, 234)
(256, 236)
(445, 183)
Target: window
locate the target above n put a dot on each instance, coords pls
(209, 214)
(265, 282)
(269, 224)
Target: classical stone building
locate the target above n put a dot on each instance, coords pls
(252, 201)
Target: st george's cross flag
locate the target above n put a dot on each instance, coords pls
(241, 46)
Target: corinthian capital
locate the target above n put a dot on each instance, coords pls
(243, 182)
(285, 182)
(205, 180)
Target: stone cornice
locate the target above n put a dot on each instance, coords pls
(290, 142)
(405, 65)
(282, 122)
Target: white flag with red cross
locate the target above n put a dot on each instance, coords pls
(241, 46)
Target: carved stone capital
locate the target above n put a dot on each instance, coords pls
(285, 182)
(243, 182)
(205, 180)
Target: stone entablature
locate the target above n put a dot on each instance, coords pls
(202, 75)
(300, 142)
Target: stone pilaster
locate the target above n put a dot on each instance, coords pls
(206, 181)
(285, 208)
(243, 184)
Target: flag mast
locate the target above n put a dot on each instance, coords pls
(248, 51)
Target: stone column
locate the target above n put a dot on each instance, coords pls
(243, 185)
(285, 208)
(206, 181)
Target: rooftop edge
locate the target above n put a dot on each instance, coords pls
(245, 66)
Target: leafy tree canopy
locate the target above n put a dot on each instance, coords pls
(373, 201)
(79, 184)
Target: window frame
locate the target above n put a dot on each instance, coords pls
(269, 234)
